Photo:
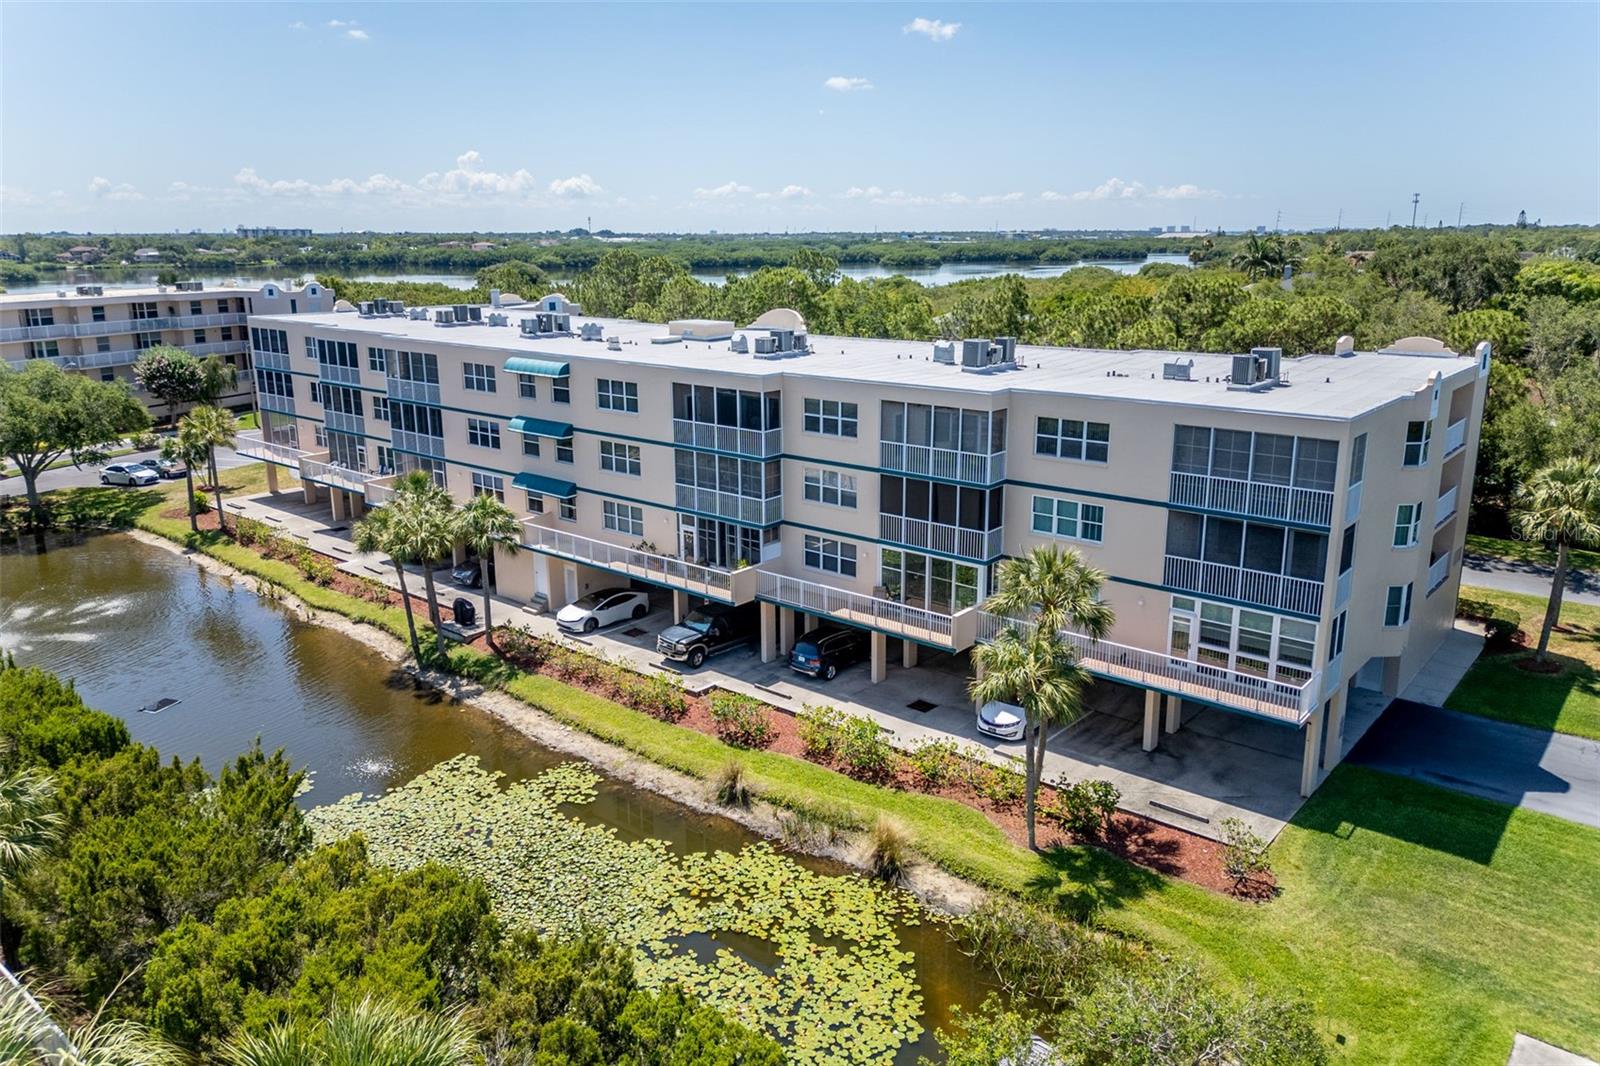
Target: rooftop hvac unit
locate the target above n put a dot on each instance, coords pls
(530, 327)
(1178, 371)
(444, 317)
(783, 340)
(766, 345)
(419, 314)
(191, 286)
(944, 352)
(459, 312)
(802, 343)
(1244, 370)
(1269, 361)
(91, 290)
(974, 354)
(1005, 350)
(739, 344)
(367, 310)
(614, 344)
(397, 307)
(591, 331)
(563, 323)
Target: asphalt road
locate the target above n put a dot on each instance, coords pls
(1509, 575)
(1533, 768)
(67, 477)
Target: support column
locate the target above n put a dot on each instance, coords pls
(786, 619)
(309, 489)
(336, 504)
(272, 478)
(1334, 752)
(1174, 712)
(1310, 770)
(769, 632)
(1152, 719)
(908, 653)
(977, 674)
(880, 657)
(680, 606)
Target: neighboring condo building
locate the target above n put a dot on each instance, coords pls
(1272, 530)
(102, 330)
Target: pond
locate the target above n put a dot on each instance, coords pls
(134, 625)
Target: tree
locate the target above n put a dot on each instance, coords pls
(375, 533)
(1030, 664)
(189, 449)
(29, 824)
(515, 277)
(211, 428)
(370, 1031)
(47, 413)
(217, 378)
(1561, 504)
(423, 529)
(171, 374)
(485, 525)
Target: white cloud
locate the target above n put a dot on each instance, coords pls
(357, 35)
(576, 187)
(1117, 189)
(841, 84)
(857, 192)
(1000, 198)
(297, 25)
(932, 29)
(339, 24)
(106, 189)
(722, 192)
(793, 192)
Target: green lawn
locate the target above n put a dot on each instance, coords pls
(1425, 926)
(1526, 551)
(250, 420)
(1496, 687)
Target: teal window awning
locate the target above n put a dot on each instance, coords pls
(546, 486)
(539, 427)
(546, 368)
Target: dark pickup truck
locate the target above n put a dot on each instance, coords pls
(708, 630)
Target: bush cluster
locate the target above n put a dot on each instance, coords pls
(742, 720)
(1083, 808)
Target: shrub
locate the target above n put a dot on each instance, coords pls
(935, 761)
(1500, 635)
(805, 827)
(819, 730)
(863, 747)
(371, 589)
(729, 784)
(1244, 853)
(1036, 954)
(658, 695)
(318, 569)
(249, 531)
(144, 441)
(1001, 787)
(888, 851)
(202, 502)
(1084, 808)
(519, 642)
(741, 720)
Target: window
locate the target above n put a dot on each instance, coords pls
(414, 366)
(618, 395)
(530, 445)
(831, 418)
(489, 485)
(564, 450)
(385, 459)
(622, 518)
(832, 556)
(222, 307)
(619, 458)
(735, 408)
(1336, 637)
(561, 390)
(1069, 438)
(337, 353)
(227, 333)
(1253, 545)
(1358, 460)
(319, 434)
(43, 349)
(380, 408)
(526, 387)
(315, 388)
(416, 418)
(269, 340)
(479, 377)
(199, 336)
(1418, 434)
(483, 433)
(275, 383)
(947, 428)
(1347, 549)
(567, 509)
(1397, 606)
(195, 308)
(42, 316)
(1265, 458)
(1069, 518)
(535, 503)
(830, 486)
(378, 360)
(102, 344)
(97, 314)
(929, 582)
(1407, 525)
(108, 374)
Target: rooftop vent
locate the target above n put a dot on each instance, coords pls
(590, 331)
(739, 344)
(1345, 345)
(944, 352)
(614, 344)
(1258, 370)
(91, 290)
(418, 314)
(191, 286)
(547, 324)
(497, 319)
(444, 317)
(982, 356)
(1177, 371)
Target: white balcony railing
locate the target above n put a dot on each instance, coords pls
(976, 544)
(1284, 700)
(416, 443)
(760, 443)
(729, 505)
(380, 490)
(125, 356)
(733, 586)
(271, 401)
(1455, 437)
(915, 623)
(943, 463)
(413, 391)
(343, 422)
(1279, 591)
(1253, 498)
(341, 375)
(1447, 506)
(121, 325)
(1438, 572)
(316, 467)
(251, 445)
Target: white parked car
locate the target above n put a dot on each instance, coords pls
(1002, 720)
(602, 608)
(128, 474)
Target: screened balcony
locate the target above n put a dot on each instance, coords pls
(1251, 562)
(1262, 475)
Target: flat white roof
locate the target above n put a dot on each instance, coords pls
(132, 292)
(1318, 386)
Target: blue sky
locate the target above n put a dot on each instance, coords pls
(794, 117)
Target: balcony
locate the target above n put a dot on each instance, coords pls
(729, 586)
(1254, 499)
(742, 509)
(926, 461)
(344, 422)
(1446, 508)
(251, 445)
(976, 544)
(1438, 573)
(1283, 701)
(268, 401)
(1277, 591)
(121, 325)
(953, 631)
(125, 356)
(416, 443)
(269, 360)
(380, 490)
(1455, 437)
(315, 467)
(757, 443)
(413, 391)
(339, 375)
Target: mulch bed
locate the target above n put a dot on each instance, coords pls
(1534, 666)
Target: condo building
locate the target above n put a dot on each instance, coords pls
(1273, 531)
(102, 330)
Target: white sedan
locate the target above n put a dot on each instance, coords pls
(1002, 720)
(602, 608)
(128, 474)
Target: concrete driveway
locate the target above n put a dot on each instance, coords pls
(66, 477)
(1533, 768)
(1530, 579)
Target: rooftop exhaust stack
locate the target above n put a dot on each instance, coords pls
(494, 298)
(944, 352)
(590, 331)
(1345, 345)
(1178, 371)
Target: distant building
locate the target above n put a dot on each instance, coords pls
(482, 246)
(81, 253)
(1260, 230)
(147, 255)
(271, 231)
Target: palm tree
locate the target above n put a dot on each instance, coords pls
(372, 1031)
(1030, 664)
(423, 529)
(28, 1033)
(375, 534)
(1255, 259)
(29, 825)
(217, 379)
(215, 428)
(1560, 503)
(188, 449)
(485, 525)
